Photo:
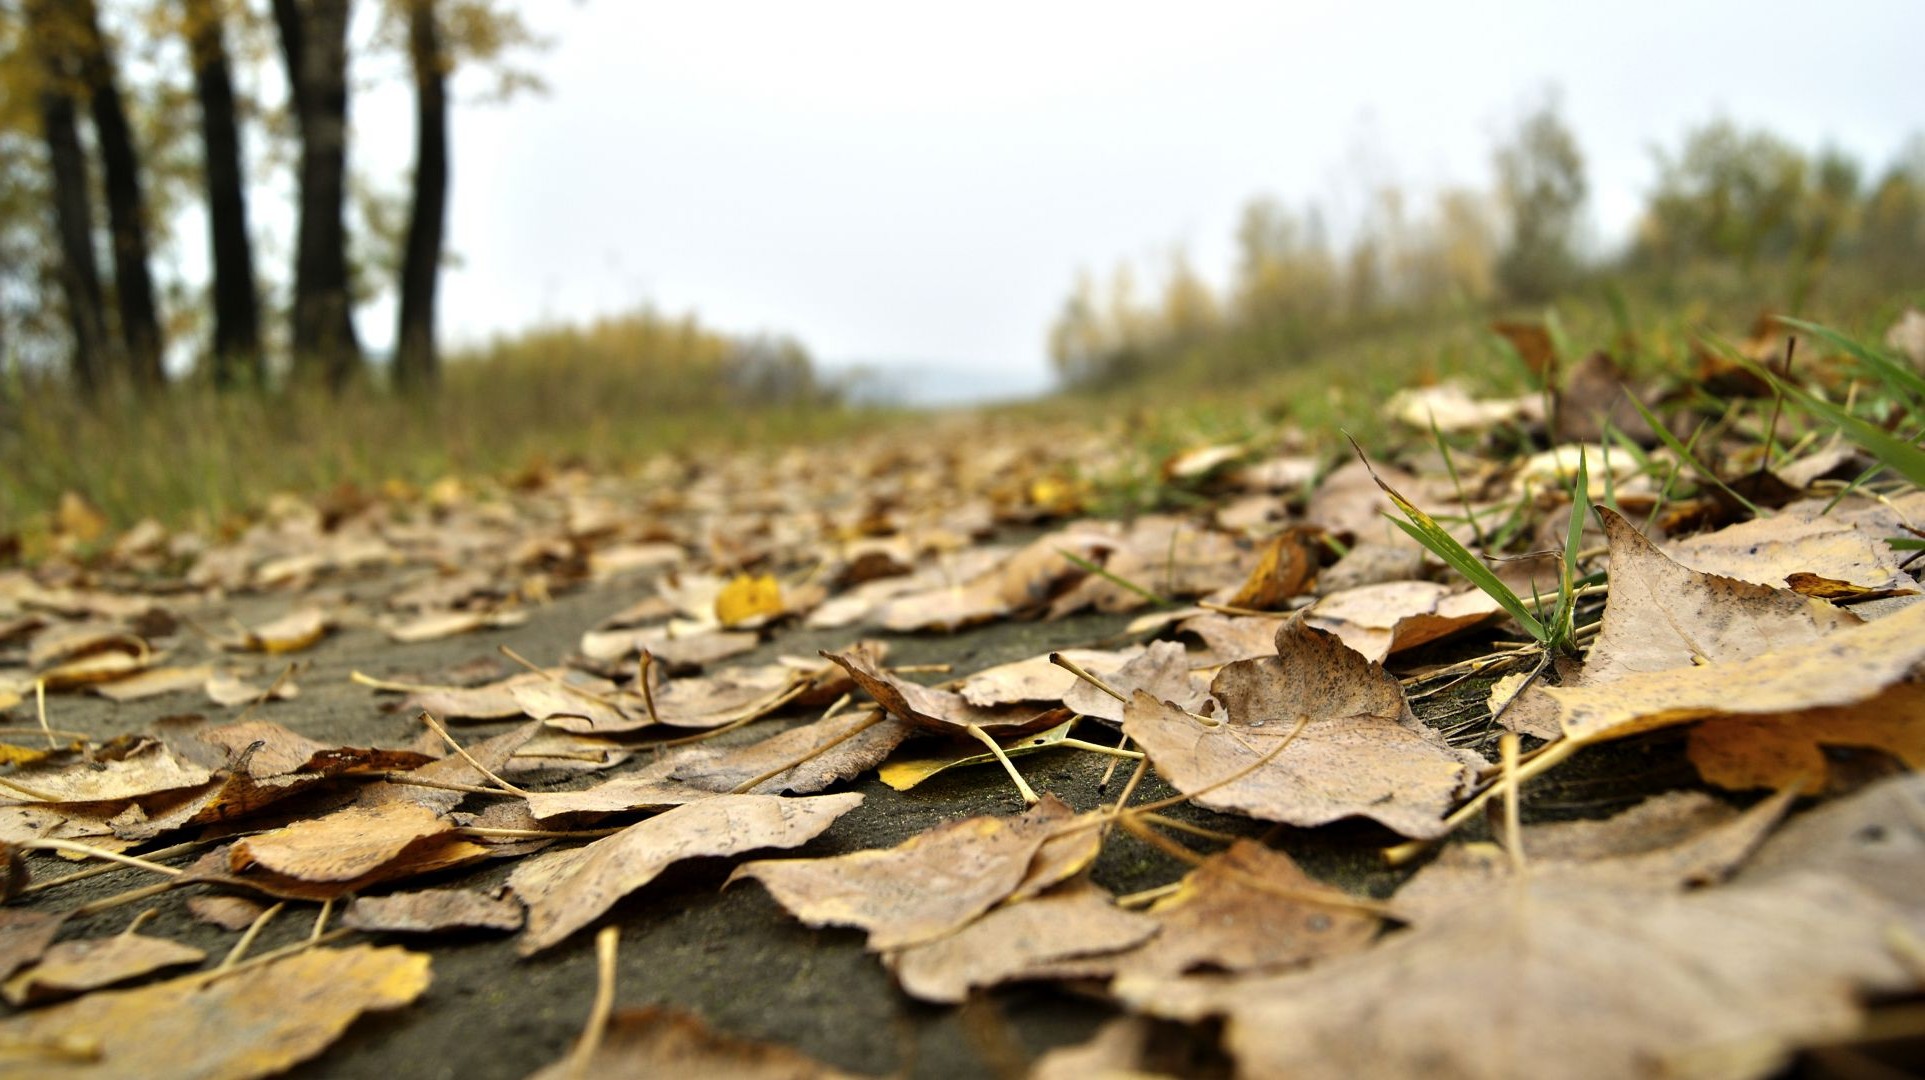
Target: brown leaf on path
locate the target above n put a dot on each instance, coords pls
(1036, 679)
(933, 709)
(431, 911)
(1846, 544)
(436, 625)
(1377, 620)
(1664, 616)
(229, 690)
(1248, 908)
(649, 788)
(156, 681)
(25, 935)
(810, 757)
(1168, 555)
(656, 1041)
(1670, 841)
(1841, 592)
(63, 643)
(1025, 580)
(567, 890)
(1073, 921)
(1287, 568)
(1568, 979)
(1847, 667)
(185, 1027)
(299, 629)
(1161, 671)
(1232, 637)
(151, 769)
(684, 651)
(1788, 751)
(923, 888)
(493, 753)
(1349, 502)
(226, 912)
(344, 845)
(1360, 752)
(1874, 838)
(82, 964)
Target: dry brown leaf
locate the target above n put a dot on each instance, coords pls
(226, 912)
(150, 769)
(1846, 667)
(809, 757)
(83, 964)
(1010, 941)
(655, 1041)
(229, 690)
(921, 889)
(433, 911)
(647, 789)
(1360, 753)
(492, 753)
(1287, 568)
(1232, 637)
(1566, 979)
(1448, 406)
(345, 845)
(1801, 539)
(1161, 671)
(186, 1027)
(1666, 842)
(299, 629)
(1246, 909)
(1167, 555)
(1037, 679)
(567, 890)
(1026, 580)
(1788, 751)
(1874, 838)
(156, 681)
(435, 625)
(25, 935)
(937, 710)
(1377, 620)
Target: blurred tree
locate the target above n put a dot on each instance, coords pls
(1894, 218)
(1285, 275)
(439, 36)
(1541, 188)
(1077, 342)
(1728, 194)
(314, 44)
(54, 40)
(236, 353)
(416, 365)
(140, 341)
(1189, 309)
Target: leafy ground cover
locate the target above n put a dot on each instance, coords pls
(889, 754)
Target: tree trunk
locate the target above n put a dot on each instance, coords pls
(72, 198)
(237, 318)
(126, 210)
(325, 345)
(416, 363)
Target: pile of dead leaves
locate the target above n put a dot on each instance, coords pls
(1287, 647)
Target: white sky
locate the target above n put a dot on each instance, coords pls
(916, 184)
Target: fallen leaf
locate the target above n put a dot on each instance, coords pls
(1377, 620)
(156, 681)
(1847, 667)
(1011, 940)
(1874, 838)
(936, 710)
(435, 625)
(1287, 568)
(186, 1027)
(1162, 671)
(345, 845)
(748, 599)
(226, 912)
(79, 965)
(433, 911)
(923, 888)
(299, 629)
(1667, 842)
(1802, 538)
(803, 759)
(567, 890)
(25, 935)
(1788, 751)
(905, 773)
(1567, 979)
(1360, 752)
(655, 1041)
(229, 690)
(1037, 679)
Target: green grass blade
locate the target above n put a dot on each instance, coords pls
(1899, 378)
(1684, 454)
(1116, 579)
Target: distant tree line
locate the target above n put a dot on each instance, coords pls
(100, 105)
(1727, 197)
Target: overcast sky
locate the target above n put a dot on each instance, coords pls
(917, 184)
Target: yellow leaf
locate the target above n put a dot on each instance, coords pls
(747, 597)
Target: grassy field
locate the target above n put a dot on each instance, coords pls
(610, 395)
